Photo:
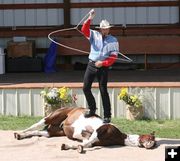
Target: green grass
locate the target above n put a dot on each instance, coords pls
(163, 128)
(17, 123)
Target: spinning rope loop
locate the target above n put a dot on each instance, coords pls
(127, 59)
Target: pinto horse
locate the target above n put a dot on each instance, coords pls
(91, 131)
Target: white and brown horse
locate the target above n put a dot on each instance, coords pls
(91, 131)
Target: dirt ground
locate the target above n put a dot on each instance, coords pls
(48, 149)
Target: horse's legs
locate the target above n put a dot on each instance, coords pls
(33, 131)
(36, 126)
(77, 134)
(67, 147)
(79, 148)
(51, 131)
(88, 142)
(29, 134)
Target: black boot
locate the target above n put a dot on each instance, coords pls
(89, 113)
(107, 120)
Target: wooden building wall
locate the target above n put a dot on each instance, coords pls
(36, 18)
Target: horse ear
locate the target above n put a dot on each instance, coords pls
(153, 133)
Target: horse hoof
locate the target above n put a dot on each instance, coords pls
(80, 149)
(64, 147)
(17, 136)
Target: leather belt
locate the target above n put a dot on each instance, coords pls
(91, 61)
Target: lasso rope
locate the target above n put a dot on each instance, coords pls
(127, 59)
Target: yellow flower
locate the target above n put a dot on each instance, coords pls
(122, 93)
(63, 90)
(129, 98)
(62, 96)
(55, 96)
(134, 98)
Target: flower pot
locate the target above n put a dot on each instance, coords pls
(134, 113)
(50, 108)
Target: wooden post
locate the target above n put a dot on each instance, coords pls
(179, 12)
(145, 61)
(67, 23)
(67, 20)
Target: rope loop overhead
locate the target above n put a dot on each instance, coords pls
(125, 58)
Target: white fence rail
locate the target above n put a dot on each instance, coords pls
(159, 103)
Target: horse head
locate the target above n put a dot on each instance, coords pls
(147, 140)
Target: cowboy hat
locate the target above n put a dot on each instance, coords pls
(104, 24)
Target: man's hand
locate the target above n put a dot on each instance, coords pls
(98, 64)
(91, 14)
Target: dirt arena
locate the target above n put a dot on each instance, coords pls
(48, 149)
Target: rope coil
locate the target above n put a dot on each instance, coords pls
(127, 59)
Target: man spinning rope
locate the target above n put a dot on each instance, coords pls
(103, 53)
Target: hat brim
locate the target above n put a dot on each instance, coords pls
(107, 27)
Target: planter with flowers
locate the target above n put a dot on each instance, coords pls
(134, 107)
(55, 98)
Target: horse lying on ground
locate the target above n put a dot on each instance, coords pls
(91, 131)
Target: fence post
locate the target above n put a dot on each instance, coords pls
(67, 20)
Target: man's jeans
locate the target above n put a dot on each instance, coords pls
(102, 76)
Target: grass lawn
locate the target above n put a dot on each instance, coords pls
(17, 123)
(163, 128)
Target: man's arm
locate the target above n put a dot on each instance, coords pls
(86, 26)
(110, 60)
(107, 62)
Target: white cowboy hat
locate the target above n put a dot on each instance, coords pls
(104, 24)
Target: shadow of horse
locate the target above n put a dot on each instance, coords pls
(100, 147)
(168, 142)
